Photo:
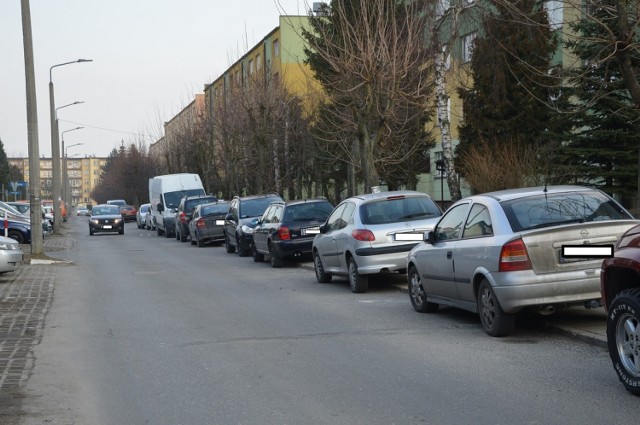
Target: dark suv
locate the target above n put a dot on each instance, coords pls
(184, 212)
(242, 218)
(620, 286)
(287, 229)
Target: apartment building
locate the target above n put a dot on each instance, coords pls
(82, 175)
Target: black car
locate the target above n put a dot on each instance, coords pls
(242, 218)
(106, 218)
(17, 229)
(287, 229)
(184, 211)
(207, 223)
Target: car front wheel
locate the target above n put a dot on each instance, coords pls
(623, 338)
(417, 293)
(358, 282)
(494, 320)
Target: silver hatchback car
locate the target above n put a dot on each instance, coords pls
(371, 234)
(500, 252)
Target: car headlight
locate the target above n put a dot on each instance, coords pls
(9, 246)
(94, 221)
(247, 230)
(117, 220)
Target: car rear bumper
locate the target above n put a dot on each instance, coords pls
(379, 260)
(10, 260)
(517, 290)
(293, 248)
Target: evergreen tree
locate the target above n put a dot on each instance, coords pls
(510, 66)
(603, 148)
(5, 170)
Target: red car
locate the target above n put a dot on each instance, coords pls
(620, 287)
(128, 213)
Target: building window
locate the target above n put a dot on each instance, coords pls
(251, 67)
(555, 13)
(467, 46)
(258, 64)
(276, 48)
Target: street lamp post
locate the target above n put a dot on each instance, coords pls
(64, 193)
(68, 197)
(55, 147)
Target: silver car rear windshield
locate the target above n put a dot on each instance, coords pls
(398, 209)
(546, 210)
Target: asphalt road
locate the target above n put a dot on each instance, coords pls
(148, 330)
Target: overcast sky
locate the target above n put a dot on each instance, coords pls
(150, 57)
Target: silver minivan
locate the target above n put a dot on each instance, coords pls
(370, 234)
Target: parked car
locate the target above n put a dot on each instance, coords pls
(149, 221)
(207, 223)
(620, 290)
(128, 213)
(371, 234)
(498, 253)
(184, 211)
(287, 229)
(118, 202)
(82, 211)
(47, 212)
(106, 218)
(17, 229)
(243, 215)
(141, 215)
(11, 256)
(22, 207)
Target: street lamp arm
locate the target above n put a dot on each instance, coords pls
(66, 63)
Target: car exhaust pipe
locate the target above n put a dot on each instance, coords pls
(547, 310)
(593, 304)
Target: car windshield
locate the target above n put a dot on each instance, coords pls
(398, 209)
(172, 199)
(106, 210)
(561, 208)
(144, 208)
(255, 207)
(312, 211)
(218, 208)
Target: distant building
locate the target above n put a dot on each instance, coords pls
(83, 174)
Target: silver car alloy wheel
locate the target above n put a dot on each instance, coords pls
(488, 310)
(417, 291)
(628, 343)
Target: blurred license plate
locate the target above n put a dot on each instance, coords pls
(409, 236)
(311, 231)
(219, 222)
(107, 226)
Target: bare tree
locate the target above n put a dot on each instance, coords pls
(371, 56)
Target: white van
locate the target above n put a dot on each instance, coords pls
(165, 193)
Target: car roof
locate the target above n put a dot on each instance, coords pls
(509, 194)
(249, 197)
(384, 195)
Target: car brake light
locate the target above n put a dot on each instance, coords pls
(183, 217)
(514, 257)
(200, 223)
(363, 235)
(283, 233)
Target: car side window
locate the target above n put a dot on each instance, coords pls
(266, 217)
(347, 214)
(450, 226)
(478, 223)
(277, 214)
(334, 218)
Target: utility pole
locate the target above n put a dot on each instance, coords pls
(32, 133)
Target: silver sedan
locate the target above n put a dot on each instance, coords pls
(498, 253)
(372, 233)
